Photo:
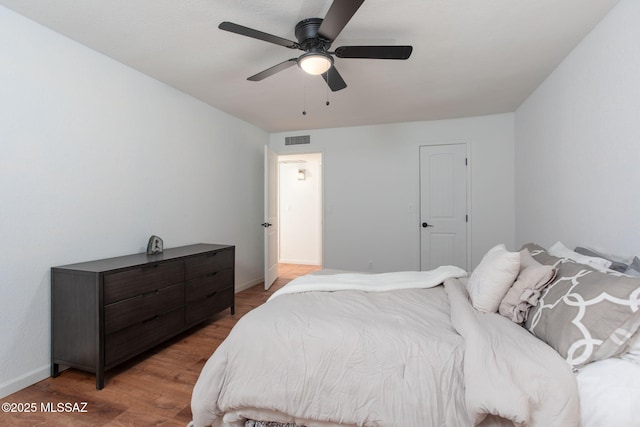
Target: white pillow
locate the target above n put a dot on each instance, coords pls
(561, 251)
(491, 280)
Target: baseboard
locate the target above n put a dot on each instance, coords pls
(247, 285)
(299, 261)
(24, 381)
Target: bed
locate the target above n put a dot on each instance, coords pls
(437, 348)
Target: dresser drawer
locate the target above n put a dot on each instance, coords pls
(204, 286)
(133, 310)
(142, 280)
(208, 263)
(202, 309)
(126, 343)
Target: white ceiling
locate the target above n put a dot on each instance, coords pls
(470, 57)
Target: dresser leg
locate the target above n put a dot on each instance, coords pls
(55, 370)
(233, 309)
(99, 380)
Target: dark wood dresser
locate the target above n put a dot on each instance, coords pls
(107, 311)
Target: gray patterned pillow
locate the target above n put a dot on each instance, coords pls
(584, 314)
(615, 265)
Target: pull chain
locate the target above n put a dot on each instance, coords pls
(304, 97)
(327, 103)
(304, 100)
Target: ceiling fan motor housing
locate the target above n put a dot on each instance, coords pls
(307, 34)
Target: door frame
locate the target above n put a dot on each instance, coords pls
(467, 145)
(321, 195)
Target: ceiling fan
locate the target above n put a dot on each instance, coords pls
(315, 36)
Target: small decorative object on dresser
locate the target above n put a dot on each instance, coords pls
(154, 246)
(107, 311)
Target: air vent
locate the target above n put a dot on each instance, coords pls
(297, 140)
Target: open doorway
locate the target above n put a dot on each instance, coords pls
(300, 209)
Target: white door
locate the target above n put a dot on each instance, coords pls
(271, 217)
(443, 206)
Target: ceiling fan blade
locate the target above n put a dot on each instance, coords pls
(250, 32)
(340, 12)
(271, 71)
(374, 52)
(334, 79)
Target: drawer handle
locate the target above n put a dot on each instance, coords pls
(150, 294)
(210, 295)
(150, 267)
(212, 254)
(151, 319)
(212, 274)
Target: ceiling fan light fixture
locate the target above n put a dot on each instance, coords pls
(315, 63)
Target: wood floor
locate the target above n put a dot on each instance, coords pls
(153, 389)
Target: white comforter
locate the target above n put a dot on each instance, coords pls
(403, 358)
(382, 282)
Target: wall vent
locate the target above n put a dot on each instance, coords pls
(297, 140)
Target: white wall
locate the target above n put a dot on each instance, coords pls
(300, 209)
(95, 158)
(371, 188)
(578, 144)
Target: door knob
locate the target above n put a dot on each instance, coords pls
(425, 225)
